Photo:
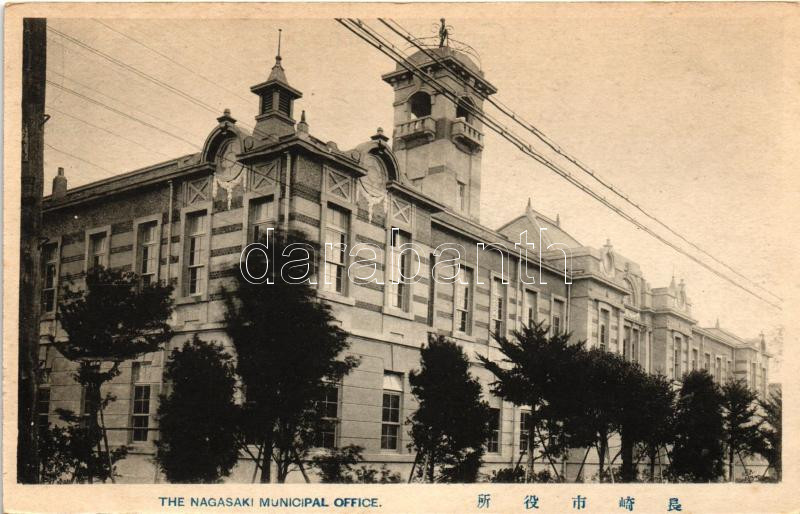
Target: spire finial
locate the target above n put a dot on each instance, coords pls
(717, 322)
(278, 57)
(530, 204)
(303, 116)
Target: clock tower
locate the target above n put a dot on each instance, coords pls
(437, 141)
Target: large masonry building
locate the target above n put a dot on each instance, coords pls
(186, 221)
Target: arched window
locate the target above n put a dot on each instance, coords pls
(420, 104)
(465, 108)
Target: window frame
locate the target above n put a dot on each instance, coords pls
(90, 234)
(333, 421)
(403, 288)
(56, 277)
(470, 311)
(496, 432)
(250, 224)
(493, 295)
(136, 384)
(184, 278)
(523, 438)
(395, 426)
(562, 316)
(138, 246)
(526, 309)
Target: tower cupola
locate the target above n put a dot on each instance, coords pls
(276, 103)
(438, 136)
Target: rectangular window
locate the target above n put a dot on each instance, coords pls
(148, 252)
(603, 332)
(336, 227)
(398, 268)
(463, 300)
(635, 338)
(718, 370)
(498, 308)
(753, 375)
(524, 430)
(98, 250)
(140, 414)
(557, 323)
(677, 359)
(262, 215)
(530, 308)
(626, 342)
(390, 411)
(329, 410)
(764, 381)
(196, 231)
(49, 277)
(493, 445)
(43, 408)
(694, 359)
(707, 362)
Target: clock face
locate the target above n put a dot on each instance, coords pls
(375, 180)
(228, 168)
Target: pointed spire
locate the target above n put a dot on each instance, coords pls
(302, 127)
(717, 325)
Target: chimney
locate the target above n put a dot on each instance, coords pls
(59, 184)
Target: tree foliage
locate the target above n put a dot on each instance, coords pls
(288, 350)
(771, 430)
(697, 454)
(451, 424)
(112, 319)
(742, 428)
(198, 419)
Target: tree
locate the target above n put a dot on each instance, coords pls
(742, 428)
(198, 419)
(336, 465)
(657, 417)
(451, 424)
(288, 350)
(603, 379)
(539, 371)
(113, 319)
(771, 416)
(697, 454)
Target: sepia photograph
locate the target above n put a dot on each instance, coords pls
(509, 246)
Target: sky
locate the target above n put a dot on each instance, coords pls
(687, 111)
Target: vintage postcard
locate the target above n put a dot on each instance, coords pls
(479, 257)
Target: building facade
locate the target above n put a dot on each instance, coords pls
(185, 221)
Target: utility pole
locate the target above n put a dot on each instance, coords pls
(34, 55)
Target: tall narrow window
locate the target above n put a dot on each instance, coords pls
(626, 341)
(148, 252)
(262, 214)
(493, 444)
(140, 414)
(49, 277)
(694, 359)
(463, 300)
(764, 381)
(390, 411)
(329, 411)
(498, 309)
(530, 308)
(196, 231)
(557, 322)
(336, 227)
(398, 268)
(98, 250)
(43, 408)
(431, 290)
(707, 363)
(677, 359)
(635, 345)
(753, 383)
(718, 370)
(524, 430)
(603, 332)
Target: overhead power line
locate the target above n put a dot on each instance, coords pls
(155, 80)
(378, 41)
(59, 150)
(215, 83)
(409, 37)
